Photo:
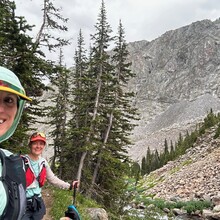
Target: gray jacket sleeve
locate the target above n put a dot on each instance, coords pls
(54, 180)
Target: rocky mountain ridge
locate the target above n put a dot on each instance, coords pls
(176, 83)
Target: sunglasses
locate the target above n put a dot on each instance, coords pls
(38, 134)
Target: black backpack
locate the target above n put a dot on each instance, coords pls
(14, 181)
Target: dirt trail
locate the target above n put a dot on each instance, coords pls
(48, 200)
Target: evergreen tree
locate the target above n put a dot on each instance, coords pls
(115, 125)
(117, 110)
(79, 107)
(98, 71)
(58, 115)
(155, 161)
(172, 150)
(52, 20)
(135, 171)
(143, 166)
(166, 151)
(102, 114)
(210, 119)
(148, 161)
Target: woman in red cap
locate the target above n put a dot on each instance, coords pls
(37, 171)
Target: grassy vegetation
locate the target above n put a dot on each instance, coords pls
(149, 181)
(174, 170)
(217, 133)
(63, 198)
(189, 206)
(186, 162)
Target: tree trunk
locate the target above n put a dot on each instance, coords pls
(82, 159)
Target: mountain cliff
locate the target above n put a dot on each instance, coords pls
(176, 84)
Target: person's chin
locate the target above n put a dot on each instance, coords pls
(3, 130)
(37, 153)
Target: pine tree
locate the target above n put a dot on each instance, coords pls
(79, 107)
(115, 125)
(98, 71)
(51, 21)
(148, 161)
(172, 150)
(135, 171)
(166, 151)
(143, 166)
(106, 115)
(156, 160)
(58, 114)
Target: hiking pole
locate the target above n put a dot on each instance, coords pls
(72, 212)
(74, 194)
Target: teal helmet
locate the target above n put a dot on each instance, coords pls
(9, 82)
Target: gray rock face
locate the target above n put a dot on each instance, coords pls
(176, 84)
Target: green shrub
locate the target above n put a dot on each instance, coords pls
(189, 206)
(187, 162)
(192, 206)
(217, 133)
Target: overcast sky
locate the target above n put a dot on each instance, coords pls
(142, 19)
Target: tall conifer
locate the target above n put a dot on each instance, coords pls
(58, 114)
(79, 106)
(98, 73)
(115, 125)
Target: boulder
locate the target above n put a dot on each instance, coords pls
(97, 214)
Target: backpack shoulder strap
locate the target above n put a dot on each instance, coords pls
(27, 163)
(2, 157)
(24, 158)
(13, 179)
(42, 163)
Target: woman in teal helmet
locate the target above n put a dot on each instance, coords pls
(12, 100)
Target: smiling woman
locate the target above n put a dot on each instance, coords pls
(37, 172)
(12, 100)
